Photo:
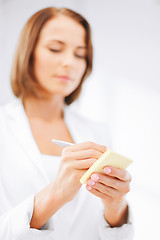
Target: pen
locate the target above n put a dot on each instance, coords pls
(62, 143)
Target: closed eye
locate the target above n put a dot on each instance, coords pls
(81, 52)
(54, 50)
(79, 56)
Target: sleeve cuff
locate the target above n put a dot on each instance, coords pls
(125, 232)
(20, 218)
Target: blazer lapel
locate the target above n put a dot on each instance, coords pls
(19, 126)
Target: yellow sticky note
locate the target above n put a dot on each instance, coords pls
(109, 158)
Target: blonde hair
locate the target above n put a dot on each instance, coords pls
(23, 82)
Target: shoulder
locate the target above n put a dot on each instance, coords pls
(3, 109)
(10, 109)
(9, 105)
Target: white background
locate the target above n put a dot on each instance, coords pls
(123, 90)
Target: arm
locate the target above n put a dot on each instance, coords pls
(46, 204)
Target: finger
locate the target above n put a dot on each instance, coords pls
(80, 173)
(85, 146)
(84, 164)
(83, 154)
(76, 176)
(75, 173)
(119, 173)
(109, 191)
(112, 182)
(97, 193)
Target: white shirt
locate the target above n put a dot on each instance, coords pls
(51, 165)
(22, 175)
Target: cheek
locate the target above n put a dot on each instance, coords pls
(43, 63)
(81, 67)
(42, 67)
(80, 70)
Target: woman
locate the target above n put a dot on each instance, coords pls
(41, 196)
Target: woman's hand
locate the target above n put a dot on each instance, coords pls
(75, 161)
(111, 187)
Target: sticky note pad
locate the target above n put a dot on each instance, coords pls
(109, 158)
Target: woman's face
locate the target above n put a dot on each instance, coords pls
(60, 56)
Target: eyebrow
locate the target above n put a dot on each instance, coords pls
(58, 41)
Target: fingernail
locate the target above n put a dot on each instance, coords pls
(107, 170)
(94, 177)
(90, 182)
(89, 188)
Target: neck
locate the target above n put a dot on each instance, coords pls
(45, 109)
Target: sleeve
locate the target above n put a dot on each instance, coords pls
(125, 232)
(15, 224)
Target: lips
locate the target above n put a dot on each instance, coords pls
(63, 78)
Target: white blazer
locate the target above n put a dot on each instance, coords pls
(22, 176)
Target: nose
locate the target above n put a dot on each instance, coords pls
(68, 59)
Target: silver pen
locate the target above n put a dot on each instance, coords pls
(62, 143)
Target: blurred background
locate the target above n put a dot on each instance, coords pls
(123, 90)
